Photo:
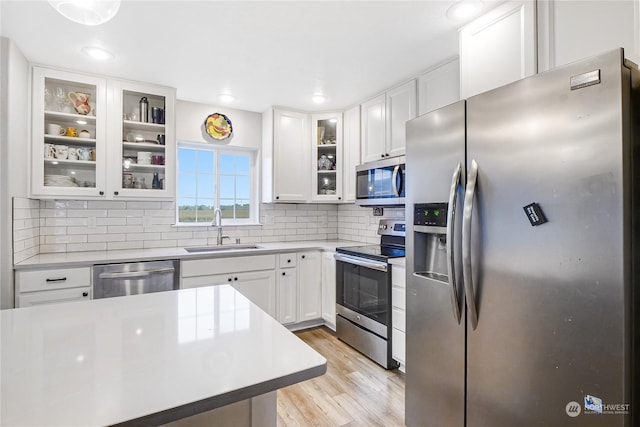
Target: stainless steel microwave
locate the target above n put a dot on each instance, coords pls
(381, 183)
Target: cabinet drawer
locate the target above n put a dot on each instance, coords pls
(203, 267)
(398, 345)
(398, 277)
(398, 298)
(50, 297)
(287, 260)
(398, 319)
(44, 280)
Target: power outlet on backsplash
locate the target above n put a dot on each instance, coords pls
(378, 211)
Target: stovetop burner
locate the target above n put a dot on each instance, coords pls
(391, 245)
(381, 252)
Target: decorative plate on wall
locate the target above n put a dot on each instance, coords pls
(218, 127)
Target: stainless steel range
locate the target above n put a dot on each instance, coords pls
(363, 293)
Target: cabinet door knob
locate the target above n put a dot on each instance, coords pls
(339, 198)
(85, 294)
(288, 260)
(304, 256)
(235, 278)
(229, 279)
(277, 197)
(115, 193)
(284, 274)
(101, 193)
(381, 155)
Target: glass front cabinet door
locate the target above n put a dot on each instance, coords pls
(326, 137)
(145, 141)
(68, 134)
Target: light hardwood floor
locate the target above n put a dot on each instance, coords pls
(355, 392)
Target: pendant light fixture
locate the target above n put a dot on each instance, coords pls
(87, 12)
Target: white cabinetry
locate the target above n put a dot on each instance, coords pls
(287, 288)
(439, 87)
(498, 48)
(383, 121)
(285, 157)
(351, 152)
(134, 177)
(329, 289)
(569, 31)
(253, 276)
(398, 314)
(401, 107)
(373, 130)
(309, 285)
(50, 286)
(326, 157)
(54, 120)
(83, 156)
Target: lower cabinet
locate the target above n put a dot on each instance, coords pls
(299, 287)
(259, 286)
(35, 287)
(329, 289)
(309, 285)
(398, 314)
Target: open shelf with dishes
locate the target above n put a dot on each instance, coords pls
(71, 156)
(326, 153)
(146, 113)
(68, 134)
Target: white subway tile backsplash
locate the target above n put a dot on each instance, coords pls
(61, 226)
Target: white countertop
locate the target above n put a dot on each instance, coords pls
(78, 259)
(111, 360)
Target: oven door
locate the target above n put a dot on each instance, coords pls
(363, 292)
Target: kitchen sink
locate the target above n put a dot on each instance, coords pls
(220, 248)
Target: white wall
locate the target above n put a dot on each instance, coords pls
(14, 152)
(247, 125)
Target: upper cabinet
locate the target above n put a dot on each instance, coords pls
(498, 48)
(326, 157)
(351, 152)
(439, 87)
(383, 120)
(285, 157)
(89, 140)
(69, 142)
(569, 30)
(146, 164)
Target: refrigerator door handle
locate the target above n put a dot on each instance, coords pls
(472, 180)
(451, 220)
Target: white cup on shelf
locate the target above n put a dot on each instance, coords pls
(144, 157)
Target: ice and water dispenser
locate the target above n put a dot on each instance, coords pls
(430, 241)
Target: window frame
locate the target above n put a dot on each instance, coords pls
(217, 150)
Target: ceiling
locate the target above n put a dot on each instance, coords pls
(264, 53)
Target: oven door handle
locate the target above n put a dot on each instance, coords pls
(367, 263)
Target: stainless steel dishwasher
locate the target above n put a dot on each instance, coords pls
(132, 278)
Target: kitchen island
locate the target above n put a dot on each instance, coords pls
(148, 359)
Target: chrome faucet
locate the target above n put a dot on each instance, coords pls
(217, 222)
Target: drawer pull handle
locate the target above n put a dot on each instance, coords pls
(61, 279)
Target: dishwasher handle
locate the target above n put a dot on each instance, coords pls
(136, 274)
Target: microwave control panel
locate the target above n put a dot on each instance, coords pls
(430, 214)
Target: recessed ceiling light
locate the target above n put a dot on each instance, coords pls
(225, 97)
(318, 98)
(97, 53)
(463, 9)
(87, 12)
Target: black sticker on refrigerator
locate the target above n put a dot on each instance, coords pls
(535, 214)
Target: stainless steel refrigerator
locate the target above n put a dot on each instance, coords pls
(522, 253)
